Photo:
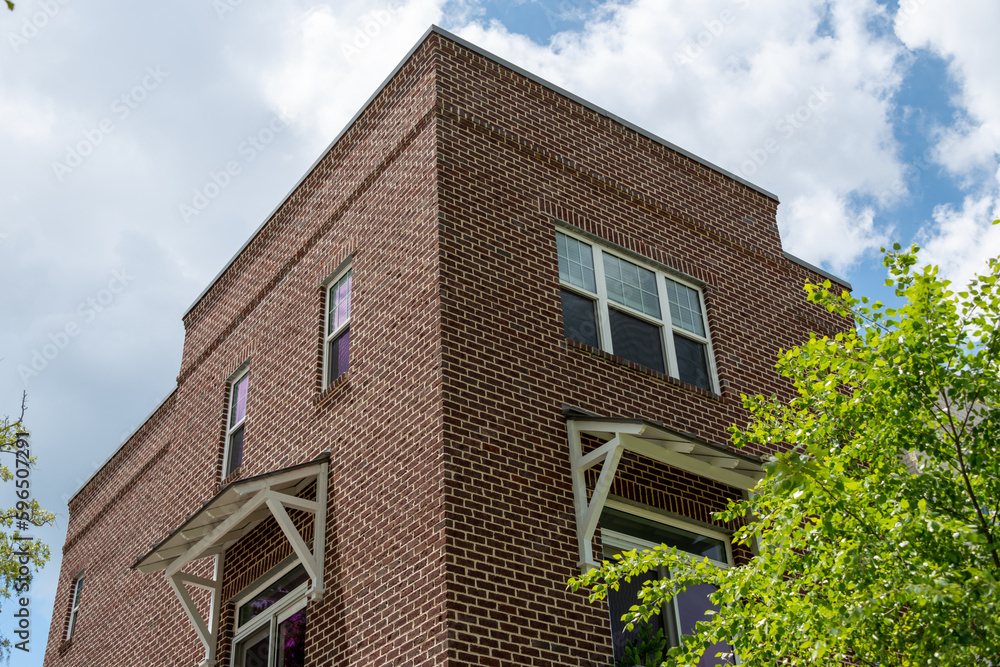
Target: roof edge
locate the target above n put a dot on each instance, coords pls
(815, 269)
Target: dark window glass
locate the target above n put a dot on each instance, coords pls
(235, 451)
(692, 366)
(660, 533)
(579, 320)
(339, 355)
(691, 607)
(619, 602)
(255, 651)
(291, 641)
(272, 594)
(636, 340)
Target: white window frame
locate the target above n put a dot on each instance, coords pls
(664, 323)
(232, 428)
(74, 606)
(628, 542)
(272, 617)
(329, 336)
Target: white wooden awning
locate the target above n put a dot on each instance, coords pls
(237, 509)
(647, 439)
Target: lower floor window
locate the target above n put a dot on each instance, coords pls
(271, 623)
(623, 531)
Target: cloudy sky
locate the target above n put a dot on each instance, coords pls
(873, 121)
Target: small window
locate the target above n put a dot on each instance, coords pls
(633, 311)
(74, 607)
(624, 531)
(272, 623)
(337, 342)
(236, 424)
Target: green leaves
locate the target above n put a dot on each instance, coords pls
(879, 525)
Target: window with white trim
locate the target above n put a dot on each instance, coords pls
(271, 622)
(236, 423)
(337, 338)
(74, 607)
(624, 528)
(635, 312)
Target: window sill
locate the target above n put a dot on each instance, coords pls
(645, 370)
(66, 645)
(335, 388)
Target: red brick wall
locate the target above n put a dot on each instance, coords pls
(450, 532)
(516, 158)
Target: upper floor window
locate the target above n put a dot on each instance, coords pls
(633, 311)
(623, 531)
(236, 424)
(337, 340)
(74, 607)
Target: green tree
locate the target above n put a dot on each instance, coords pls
(877, 526)
(17, 553)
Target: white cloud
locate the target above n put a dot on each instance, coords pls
(826, 225)
(334, 56)
(962, 238)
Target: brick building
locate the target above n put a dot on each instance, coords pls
(494, 334)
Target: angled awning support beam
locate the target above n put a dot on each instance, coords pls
(208, 632)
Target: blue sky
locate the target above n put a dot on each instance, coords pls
(873, 122)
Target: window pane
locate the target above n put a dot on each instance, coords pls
(660, 533)
(579, 318)
(692, 362)
(272, 594)
(636, 340)
(631, 285)
(238, 409)
(339, 304)
(619, 602)
(235, 451)
(291, 641)
(338, 355)
(691, 607)
(576, 262)
(255, 651)
(685, 308)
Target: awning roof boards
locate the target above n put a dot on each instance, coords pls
(222, 521)
(653, 441)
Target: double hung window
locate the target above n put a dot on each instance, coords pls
(74, 608)
(271, 623)
(634, 312)
(623, 531)
(337, 338)
(235, 424)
